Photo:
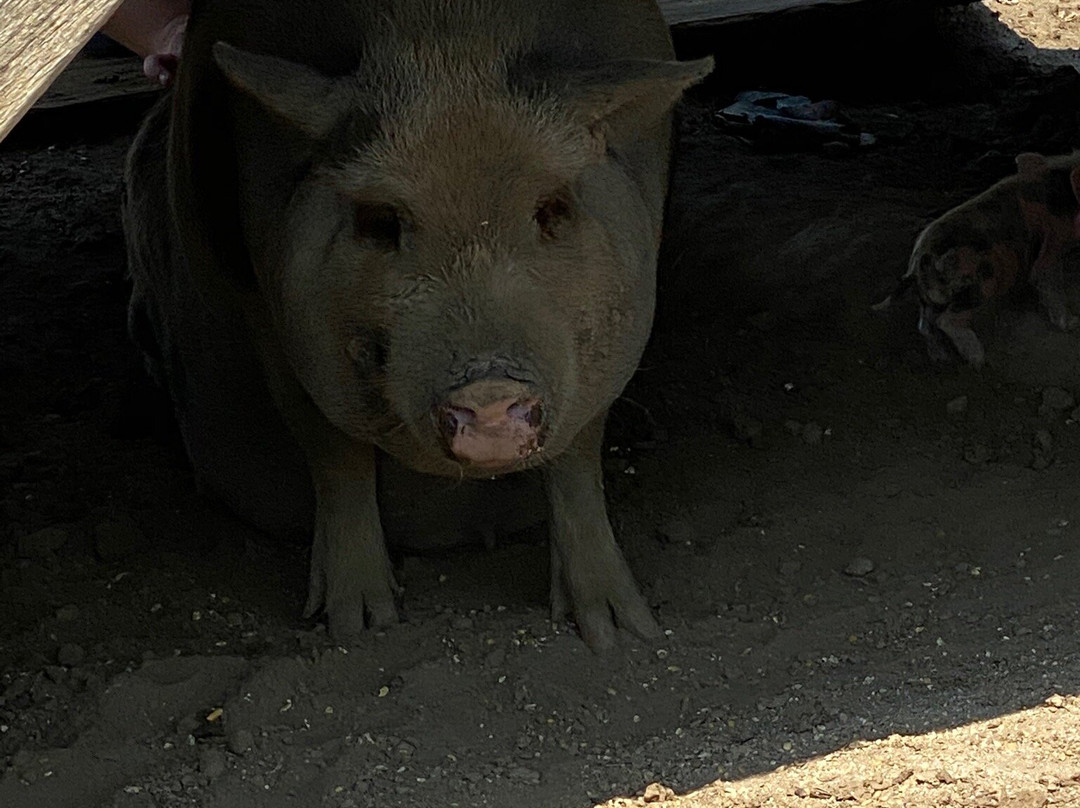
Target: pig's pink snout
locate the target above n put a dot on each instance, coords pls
(482, 426)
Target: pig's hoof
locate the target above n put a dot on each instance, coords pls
(348, 624)
(348, 619)
(599, 618)
(362, 604)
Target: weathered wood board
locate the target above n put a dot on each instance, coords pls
(37, 40)
(94, 78)
(714, 12)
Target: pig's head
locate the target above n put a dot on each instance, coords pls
(457, 262)
(954, 278)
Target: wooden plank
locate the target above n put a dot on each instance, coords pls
(685, 13)
(96, 78)
(38, 38)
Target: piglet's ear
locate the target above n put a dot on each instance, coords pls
(1029, 163)
(305, 98)
(903, 286)
(644, 87)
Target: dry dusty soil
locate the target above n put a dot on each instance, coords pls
(867, 565)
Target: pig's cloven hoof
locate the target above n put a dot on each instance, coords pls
(347, 622)
(366, 603)
(599, 614)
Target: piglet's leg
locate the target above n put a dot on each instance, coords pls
(589, 573)
(957, 327)
(1048, 277)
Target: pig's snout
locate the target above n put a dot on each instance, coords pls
(492, 424)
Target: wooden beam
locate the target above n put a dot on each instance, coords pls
(685, 13)
(37, 40)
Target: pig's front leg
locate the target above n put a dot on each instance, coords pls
(957, 327)
(589, 575)
(351, 574)
(1048, 277)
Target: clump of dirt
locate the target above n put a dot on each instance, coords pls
(864, 562)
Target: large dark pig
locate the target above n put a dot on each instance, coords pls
(414, 227)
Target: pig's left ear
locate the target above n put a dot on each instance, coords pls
(305, 98)
(645, 88)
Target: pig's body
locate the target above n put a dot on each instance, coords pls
(1018, 230)
(418, 227)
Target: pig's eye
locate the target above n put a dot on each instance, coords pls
(378, 227)
(553, 214)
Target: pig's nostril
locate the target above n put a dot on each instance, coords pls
(530, 411)
(452, 419)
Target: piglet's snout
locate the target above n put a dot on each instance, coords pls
(491, 424)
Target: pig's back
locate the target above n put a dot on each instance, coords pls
(335, 37)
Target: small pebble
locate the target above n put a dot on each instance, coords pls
(461, 623)
(117, 538)
(240, 741)
(789, 568)
(957, 406)
(812, 433)
(1043, 440)
(70, 654)
(56, 674)
(42, 542)
(1057, 701)
(520, 774)
(212, 763)
(67, 613)
(747, 429)
(977, 453)
(676, 531)
(1054, 398)
(835, 148)
(658, 792)
(762, 321)
(793, 426)
(858, 567)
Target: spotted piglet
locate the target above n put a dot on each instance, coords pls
(1018, 230)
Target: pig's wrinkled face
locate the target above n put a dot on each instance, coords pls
(468, 289)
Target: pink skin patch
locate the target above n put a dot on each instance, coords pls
(496, 436)
(161, 68)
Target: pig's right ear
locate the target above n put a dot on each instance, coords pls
(307, 99)
(645, 88)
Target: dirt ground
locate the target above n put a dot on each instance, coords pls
(864, 562)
